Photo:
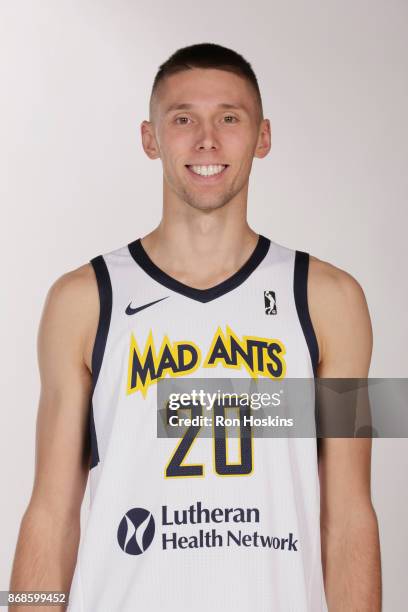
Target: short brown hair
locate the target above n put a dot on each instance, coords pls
(207, 55)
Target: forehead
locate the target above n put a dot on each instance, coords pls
(201, 88)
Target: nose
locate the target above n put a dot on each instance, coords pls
(207, 140)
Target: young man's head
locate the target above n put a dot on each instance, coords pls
(206, 124)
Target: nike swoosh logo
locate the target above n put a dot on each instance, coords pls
(131, 311)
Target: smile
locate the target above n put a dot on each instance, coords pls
(207, 171)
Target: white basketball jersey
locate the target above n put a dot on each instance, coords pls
(180, 524)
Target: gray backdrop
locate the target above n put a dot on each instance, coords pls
(76, 75)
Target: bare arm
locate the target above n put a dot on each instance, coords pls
(49, 533)
(349, 528)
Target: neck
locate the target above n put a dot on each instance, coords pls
(202, 252)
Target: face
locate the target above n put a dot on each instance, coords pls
(206, 129)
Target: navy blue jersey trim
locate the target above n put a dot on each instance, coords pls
(105, 312)
(202, 295)
(302, 307)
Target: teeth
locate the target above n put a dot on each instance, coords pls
(207, 170)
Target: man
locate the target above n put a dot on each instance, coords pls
(178, 524)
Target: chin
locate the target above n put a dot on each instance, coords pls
(208, 201)
(203, 204)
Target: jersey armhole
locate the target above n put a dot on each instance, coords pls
(302, 306)
(105, 311)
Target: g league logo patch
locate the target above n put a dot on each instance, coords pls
(136, 531)
(270, 303)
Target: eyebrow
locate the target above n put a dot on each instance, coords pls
(188, 106)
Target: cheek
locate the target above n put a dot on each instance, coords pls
(177, 140)
(176, 149)
(239, 144)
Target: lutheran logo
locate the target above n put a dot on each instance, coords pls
(270, 303)
(136, 531)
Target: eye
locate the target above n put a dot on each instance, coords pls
(230, 117)
(182, 122)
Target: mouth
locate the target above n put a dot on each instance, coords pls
(207, 173)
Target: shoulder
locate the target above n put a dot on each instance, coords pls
(74, 291)
(71, 310)
(333, 284)
(338, 309)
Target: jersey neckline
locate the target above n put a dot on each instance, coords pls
(202, 295)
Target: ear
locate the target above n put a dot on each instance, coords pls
(263, 145)
(149, 141)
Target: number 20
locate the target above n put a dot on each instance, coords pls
(175, 467)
